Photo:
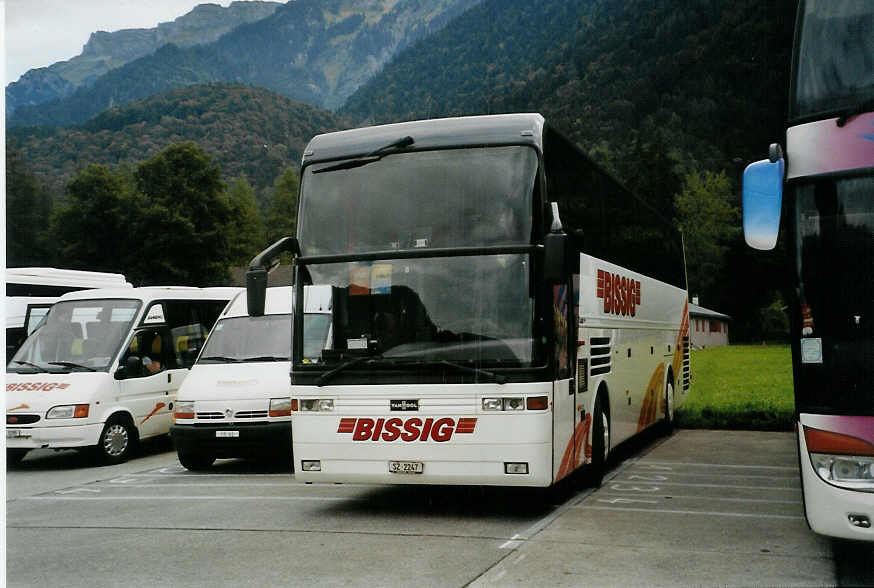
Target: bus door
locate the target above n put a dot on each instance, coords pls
(567, 447)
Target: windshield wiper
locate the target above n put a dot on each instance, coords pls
(220, 358)
(374, 155)
(854, 111)
(265, 358)
(31, 364)
(323, 379)
(496, 378)
(70, 364)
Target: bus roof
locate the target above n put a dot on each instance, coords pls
(50, 276)
(148, 293)
(498, 129)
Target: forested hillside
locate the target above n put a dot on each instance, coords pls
(316, 51)
(669, 97)
(249, 131)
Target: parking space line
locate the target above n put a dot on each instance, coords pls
(692, 512)
(726, 486)
(709, 475)
(715, 465)
(718, 499)
(165, 498)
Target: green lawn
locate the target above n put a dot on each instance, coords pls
(740, 387)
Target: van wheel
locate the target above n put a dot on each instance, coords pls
(116, 441)
(668, 422)
(14, 456)
(600, 442)
(195, 461)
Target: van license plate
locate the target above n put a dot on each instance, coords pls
(406, 467)
(16, 433)
(227, 433)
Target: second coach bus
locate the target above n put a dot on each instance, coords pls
(503, 311)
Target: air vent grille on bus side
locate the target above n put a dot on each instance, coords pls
(600, 354)
(686, 364)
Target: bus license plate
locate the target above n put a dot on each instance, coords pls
(406, 467)
(227, 433)
(16, 433)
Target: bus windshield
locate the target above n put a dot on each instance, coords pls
(834, 63)
(262, 338)
(77, 335)
(834, 249)
(467, 309)
(446, 198)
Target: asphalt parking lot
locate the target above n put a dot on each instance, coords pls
(699, 508)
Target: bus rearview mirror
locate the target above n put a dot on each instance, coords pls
(554, 257)
(762, 202)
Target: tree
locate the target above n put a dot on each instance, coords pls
(247, 227)
(95, 227)
(282, 212)
(709, 224)
(28, 212)
(183, 233)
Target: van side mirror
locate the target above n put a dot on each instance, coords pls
(132, 368)
(260, 266)
(763, 200)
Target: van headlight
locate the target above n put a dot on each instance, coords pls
(68, 411)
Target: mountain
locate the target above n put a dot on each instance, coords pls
(247, 130)
(316, 51)
(106, 51)
(711, 75)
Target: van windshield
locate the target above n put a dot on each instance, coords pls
(78, 335)
(262, 338)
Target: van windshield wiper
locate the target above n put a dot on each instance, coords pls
(854, 111)
(221, 358)
(71, 364)
(323, 379)
(31, 364)
(374, 155)
(265, 358)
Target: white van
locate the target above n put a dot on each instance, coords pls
(236, 401)
(103, 369)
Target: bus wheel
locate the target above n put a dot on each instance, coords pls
(14, 456)
(668, 423)
(116, 441)
(196, 461)
(600, 442)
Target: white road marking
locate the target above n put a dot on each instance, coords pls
(72, 490)
(653, 464)
(716, 498)
(729, 486)
(165, 498)
(693, 512)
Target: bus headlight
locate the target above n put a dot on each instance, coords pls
(316, 404)
(843, 468)
(68, 411)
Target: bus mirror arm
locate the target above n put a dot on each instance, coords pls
(260, 266)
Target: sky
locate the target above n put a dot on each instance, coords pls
(39, 33)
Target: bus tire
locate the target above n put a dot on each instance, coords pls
(195, 461)
(668, 422)
(117, 441)
(600, 441)
(14, 456)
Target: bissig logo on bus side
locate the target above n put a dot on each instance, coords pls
(414, 429)
(621, 294)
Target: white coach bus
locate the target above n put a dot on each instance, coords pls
(504, 311)
(103, 369)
